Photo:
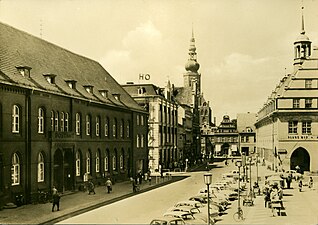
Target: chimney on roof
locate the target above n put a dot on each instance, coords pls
(129, 82)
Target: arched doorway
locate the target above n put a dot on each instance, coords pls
(301, 158)
(58, 170)
(68, 170)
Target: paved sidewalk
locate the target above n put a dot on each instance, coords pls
(78, 202)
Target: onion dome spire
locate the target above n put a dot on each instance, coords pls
(192, 64)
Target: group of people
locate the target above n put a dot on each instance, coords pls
(273, 197)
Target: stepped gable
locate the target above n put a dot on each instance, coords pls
(19, 48)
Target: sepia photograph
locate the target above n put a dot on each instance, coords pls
(159, 112)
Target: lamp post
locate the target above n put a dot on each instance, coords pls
(250, 162)
(257, 168)
(208, 181)
(239, 165)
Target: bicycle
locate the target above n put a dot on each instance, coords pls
(238, 216)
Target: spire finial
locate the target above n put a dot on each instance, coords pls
(302, 19)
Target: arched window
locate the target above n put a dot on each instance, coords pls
(62, 121)
(78, 164)
(106, 161)
(121, 160)
(40, 167)
(78, 124)
(97, 160)
(66, 122)
(121, 129)
(142, 141)
(52, 120)
(15, 170)
(115, 160)
(97, 125)
(106, 127)
(41, 121)
(56, 123)
(138, 141)
(115, 127)
(15, 119)
(88, 162)
(127, 129)
(88, 125)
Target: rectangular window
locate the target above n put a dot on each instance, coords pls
(308, 83)
(308, 103)
(306, 127)
(292, 127)
(15, 119)
(296, 103)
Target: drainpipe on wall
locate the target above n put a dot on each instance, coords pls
(27, 180)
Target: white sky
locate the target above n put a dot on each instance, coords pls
(243, 46)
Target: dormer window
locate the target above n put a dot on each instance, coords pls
(71, 83)
(117, 96)
(50, 78)
(141, 90)
(89, 88)
(24, 70)
(104, 93)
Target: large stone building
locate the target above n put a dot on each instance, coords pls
(287, 124)
(63, 119)
(162, 122)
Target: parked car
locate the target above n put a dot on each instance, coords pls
(190, 209)
(167, 220)
(294, 174)
(189, 203)
(204, 200)
(188, 218)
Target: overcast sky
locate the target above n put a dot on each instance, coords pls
(243, 46)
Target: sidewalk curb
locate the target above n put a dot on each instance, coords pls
(110, 201)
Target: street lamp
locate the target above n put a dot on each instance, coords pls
(250, 162)
(208, 181)
(239, 165)
(257, 168)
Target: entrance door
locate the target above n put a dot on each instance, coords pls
(300, 157)
(68, 170)
(58, 170)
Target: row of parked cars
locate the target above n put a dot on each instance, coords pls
(194, 210)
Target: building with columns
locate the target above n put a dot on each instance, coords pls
(287, 124)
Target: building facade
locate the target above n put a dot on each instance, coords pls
(64, 120)
(287, 124)
(162, 122)
(247, 133)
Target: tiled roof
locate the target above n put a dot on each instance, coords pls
(184, 95)
(18, 48)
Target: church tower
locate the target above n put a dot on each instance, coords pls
(192, 78)
(302, 45)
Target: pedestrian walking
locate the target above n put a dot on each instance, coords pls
(134, 185)
(289, 180)
(300, 185)
(311, 183)
(109, 185)
(267, 198)
(55, 199)
(91, 187)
